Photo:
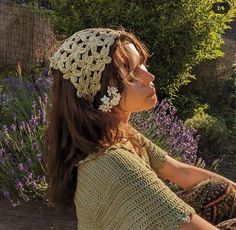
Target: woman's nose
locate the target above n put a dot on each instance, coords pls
(152, 77)
(149, 78)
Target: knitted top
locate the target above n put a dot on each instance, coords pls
(118, 189)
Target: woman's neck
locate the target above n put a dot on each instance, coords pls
(121, 116)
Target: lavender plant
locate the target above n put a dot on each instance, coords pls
(21, 138)
(18, 94)
(164, 128)
(21, 147)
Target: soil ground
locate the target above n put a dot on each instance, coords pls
(35, 215)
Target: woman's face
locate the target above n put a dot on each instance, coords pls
(138, 95)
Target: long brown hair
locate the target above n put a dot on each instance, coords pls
(77, 128)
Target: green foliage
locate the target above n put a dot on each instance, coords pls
(215, 86)
(179, 34)
(186, 105)
(211, 125)
(213, 133)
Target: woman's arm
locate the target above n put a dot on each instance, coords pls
(197, 223)
(184, 175)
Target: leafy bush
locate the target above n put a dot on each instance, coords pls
(179, 34)
(214, 86)
(213, 134)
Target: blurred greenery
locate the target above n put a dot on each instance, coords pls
(179, 34)
(213, 131)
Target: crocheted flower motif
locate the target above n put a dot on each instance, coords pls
(83, 57)
(109, 102)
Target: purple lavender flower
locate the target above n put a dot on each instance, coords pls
(18, 185)
(6, 194)
(161, 123)
(13, 127)
(34, 184)
(5, 129)
(45, 72)
(2, 152)
(22, 125)
(36, 146)
(13, 82)
(33, 105)
(38, 157)
(30, 162)
(30, 176)
(42, 115)
(29, 86)
(21, 167)
(44, 98)
(33, 122)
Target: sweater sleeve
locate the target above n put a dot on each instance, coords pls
(134, 197)
(156, 155)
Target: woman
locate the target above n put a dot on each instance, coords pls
(97, 160)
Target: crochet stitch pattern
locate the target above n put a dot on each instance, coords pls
(118, 190)
(82, 59)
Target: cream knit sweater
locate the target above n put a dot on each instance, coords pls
(120, 190)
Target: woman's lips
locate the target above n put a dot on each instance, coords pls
(152, 93)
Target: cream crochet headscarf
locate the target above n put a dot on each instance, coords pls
(82, 59)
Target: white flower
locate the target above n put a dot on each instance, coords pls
(105, 100)
(112, 90)
(115, 100)
(111, 101)
(104, 108)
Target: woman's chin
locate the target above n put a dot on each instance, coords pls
(150, 106)
(153, 102)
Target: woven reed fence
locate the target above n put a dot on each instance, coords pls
(25, 35)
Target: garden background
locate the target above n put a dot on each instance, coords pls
(193, 56)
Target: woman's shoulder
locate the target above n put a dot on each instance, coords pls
(141, 137)
(104, 153)
(114, 156)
